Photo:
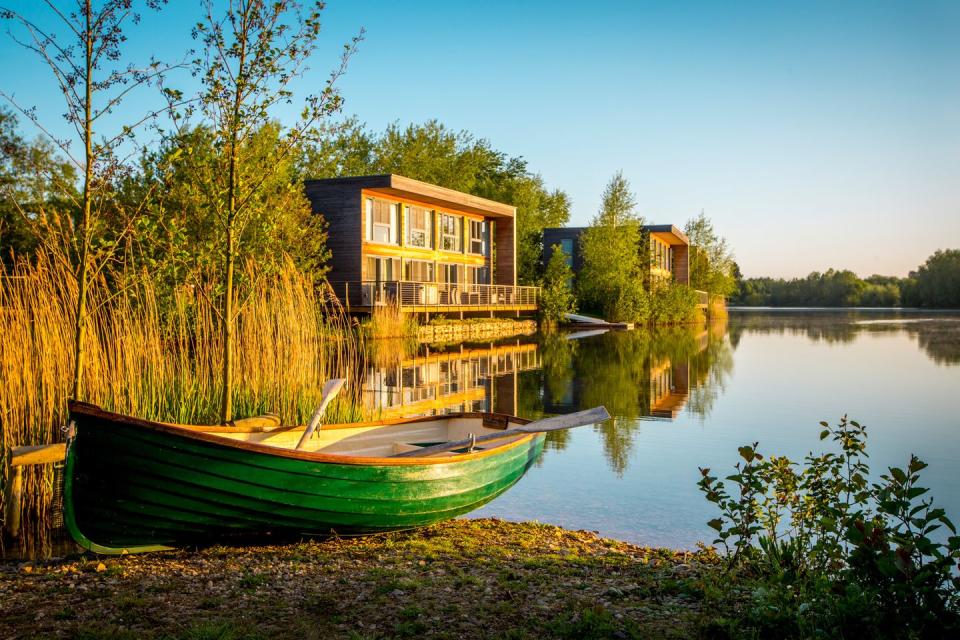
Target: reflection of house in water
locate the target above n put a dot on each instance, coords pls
(468, 378)
(667, 392)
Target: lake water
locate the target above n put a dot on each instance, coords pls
(683, 399)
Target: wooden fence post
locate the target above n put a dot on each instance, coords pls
(12, 501)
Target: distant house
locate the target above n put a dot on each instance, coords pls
(669, 250)
(423, 248)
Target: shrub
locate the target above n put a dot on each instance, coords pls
(828, 552)
(557, 299)
(672, 303)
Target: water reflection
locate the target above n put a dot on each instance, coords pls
(636, 375)
(937, 335)
(432, 380)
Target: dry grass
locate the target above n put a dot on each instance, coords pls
(387, 321)
(161, 364)
(717, 308)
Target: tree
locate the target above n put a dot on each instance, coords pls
(250, 56)
(178, 237)
(711, 263)
(937, 282)
(94, 78)
(556, 297)
(36, 185)
(612, 278)
(433, 153)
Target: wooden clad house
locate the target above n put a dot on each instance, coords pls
(424, 248)
(669, 250)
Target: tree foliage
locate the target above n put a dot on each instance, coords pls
(179, 235)
(37, 187)
(251, 54)
(612, 278)
(433, 153)
(557, 298)
(936, 283)
(711, 261)
(82, 48)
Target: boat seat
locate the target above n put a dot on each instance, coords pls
(403, 447)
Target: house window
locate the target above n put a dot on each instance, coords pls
(451, 273)
(566, 244)
(418, 271)
(478, 237)
(382, 269)
(382, 221)
(478, 275)
(419, 227)
(451, 233)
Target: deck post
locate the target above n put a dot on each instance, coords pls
(12, 502)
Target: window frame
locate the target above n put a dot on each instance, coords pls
(482, 239)
(457, 235)
(392, 226)
(426, 230)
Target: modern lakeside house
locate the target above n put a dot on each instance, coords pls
(424, 248)
(669, 250)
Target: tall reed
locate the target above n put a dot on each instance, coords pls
(160, 363)
(388, 321)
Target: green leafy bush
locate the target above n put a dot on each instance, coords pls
(557, 298)
(672, 303)
(818, 550)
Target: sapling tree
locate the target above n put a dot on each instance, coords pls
(82, 48)
(557, 298)
(251, 53)
(611, 280)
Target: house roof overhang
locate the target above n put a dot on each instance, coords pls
(393, 185)
(667, 233)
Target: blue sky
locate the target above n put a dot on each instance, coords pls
(814, 134)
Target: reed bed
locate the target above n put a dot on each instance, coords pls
(160, 363)
(388, 322)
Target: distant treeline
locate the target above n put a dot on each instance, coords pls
(935, 284)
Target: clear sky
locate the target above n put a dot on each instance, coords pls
(814, 134)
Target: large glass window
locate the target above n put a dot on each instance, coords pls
(419, 227)
(418, 271)
(382, 269)
(382, 221)
(451, 232)
(566, 244)
(478, 275)
(478, 237)
(451, 273)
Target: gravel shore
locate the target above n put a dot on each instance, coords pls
(461, 579)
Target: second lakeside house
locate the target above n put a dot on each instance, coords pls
(423, 248)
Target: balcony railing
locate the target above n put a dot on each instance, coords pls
(435, 295)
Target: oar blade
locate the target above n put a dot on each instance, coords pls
(567, 420)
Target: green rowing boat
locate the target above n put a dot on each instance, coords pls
(133, 485)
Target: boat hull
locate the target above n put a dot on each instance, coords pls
(132, 486)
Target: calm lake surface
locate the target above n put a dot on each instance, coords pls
(685, 398)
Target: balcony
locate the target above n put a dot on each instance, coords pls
(435, 297)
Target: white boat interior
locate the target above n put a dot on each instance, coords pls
(378, 440)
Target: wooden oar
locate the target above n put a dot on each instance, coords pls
(566, 421)
(330, 390)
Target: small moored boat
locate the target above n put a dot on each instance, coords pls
(134, 485)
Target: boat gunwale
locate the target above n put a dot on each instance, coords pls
(201, 433)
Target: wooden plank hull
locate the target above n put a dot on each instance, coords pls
(136, 486)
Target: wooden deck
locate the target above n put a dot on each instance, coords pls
(436, 297)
